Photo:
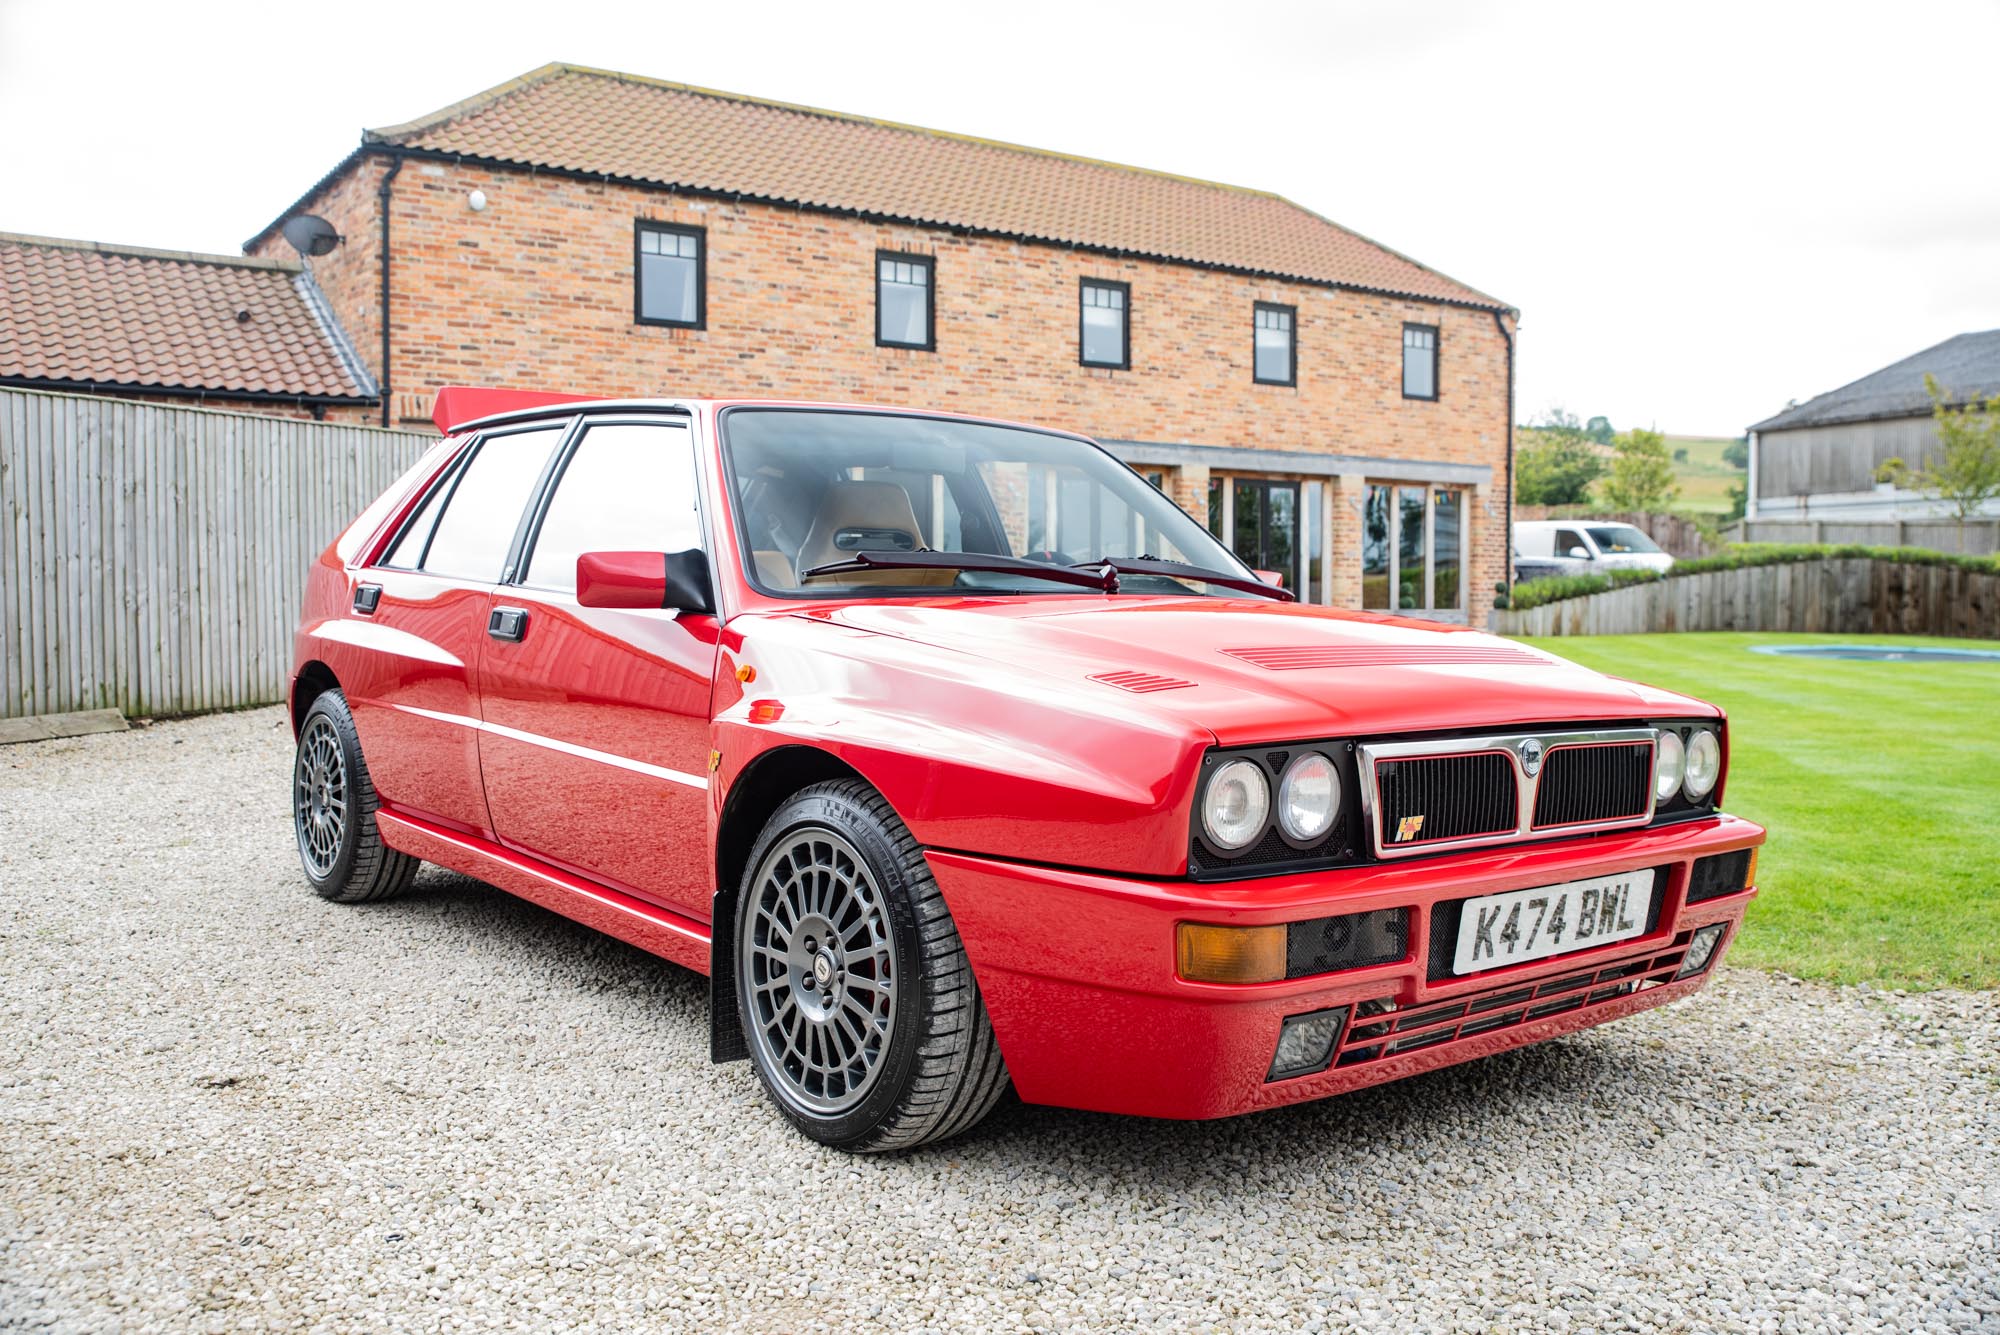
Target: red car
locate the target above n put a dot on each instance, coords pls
(955, 754)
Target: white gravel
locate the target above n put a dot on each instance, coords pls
(226, 1105)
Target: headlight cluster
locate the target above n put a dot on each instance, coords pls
(1297, 790)
(1688, 768)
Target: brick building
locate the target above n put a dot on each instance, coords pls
(1338, 410)
(223, 331)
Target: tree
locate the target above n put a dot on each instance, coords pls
(1555, 468)
(1737, 453)
(1964, 471)
(1599, 430)
(1642, 473)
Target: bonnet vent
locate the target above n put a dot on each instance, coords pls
(1141, 682)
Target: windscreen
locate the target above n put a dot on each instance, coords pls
(1621, 539)
(814, 489)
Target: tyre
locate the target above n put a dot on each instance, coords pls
(333, 811)
(853, 989)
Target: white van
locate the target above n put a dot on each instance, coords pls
(1579, 546)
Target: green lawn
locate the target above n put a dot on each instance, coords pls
(1880, 784)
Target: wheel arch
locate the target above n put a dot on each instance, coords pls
(312, 680)
(765, 784)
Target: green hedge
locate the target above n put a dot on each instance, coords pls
(1557, 588)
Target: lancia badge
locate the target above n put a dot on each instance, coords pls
(1531, 757)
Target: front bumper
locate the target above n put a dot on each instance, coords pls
(1077, 971)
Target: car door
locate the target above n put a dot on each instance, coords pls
(421, 611)
(595, 749)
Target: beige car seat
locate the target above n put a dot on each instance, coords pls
(856, 517)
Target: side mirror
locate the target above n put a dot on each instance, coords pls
(676, 580)
(1580, 553)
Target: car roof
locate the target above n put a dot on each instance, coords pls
(567, 406)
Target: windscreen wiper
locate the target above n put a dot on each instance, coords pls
(1152, 565)
(1096, 575)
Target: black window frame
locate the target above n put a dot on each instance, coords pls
(929, 263)
(641, 226)
(1124, 362)
(1437, 361)
(523, 557)
(1292, 328)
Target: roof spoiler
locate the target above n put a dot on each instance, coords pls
(458, 404)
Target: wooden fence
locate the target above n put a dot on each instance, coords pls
(1976, 537)
(1842, 597)
(155, 555)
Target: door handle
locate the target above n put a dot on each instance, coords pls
(365, 598)
(507, 623)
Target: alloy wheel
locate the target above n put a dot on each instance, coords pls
(818, 967)
(320, 796)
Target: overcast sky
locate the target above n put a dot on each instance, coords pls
(1702, 211)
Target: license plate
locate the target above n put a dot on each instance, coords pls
(1524, 925)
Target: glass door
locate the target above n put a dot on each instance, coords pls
(1265, 524)
(1412, 541)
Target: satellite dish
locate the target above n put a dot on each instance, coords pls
(310, 234)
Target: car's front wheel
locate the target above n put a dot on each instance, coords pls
(333, 811)
(863, 1018)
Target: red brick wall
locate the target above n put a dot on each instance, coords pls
(537, 291)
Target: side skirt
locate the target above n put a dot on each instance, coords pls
(647, 926)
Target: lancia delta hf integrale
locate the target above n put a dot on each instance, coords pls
(956, 754)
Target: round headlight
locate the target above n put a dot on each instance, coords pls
(1668, 763)
(1235, 806)
(1308, 797)
(1704, 764)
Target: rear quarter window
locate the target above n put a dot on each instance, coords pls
(480, 510)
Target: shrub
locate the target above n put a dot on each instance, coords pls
(1557, 588)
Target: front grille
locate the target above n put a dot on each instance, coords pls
(1429, 799)
(1583, 784)
(1446, 913)
(1378, 1035)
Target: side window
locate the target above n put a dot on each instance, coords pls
(1420, 364)
(628, 487)
(671, 283)
(408, 553)
(905, 300)
(1567, 538)
(1275, 349)
(484, 509)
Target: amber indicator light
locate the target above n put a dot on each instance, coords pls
(1210, 953)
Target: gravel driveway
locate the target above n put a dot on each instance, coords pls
(226, 1105)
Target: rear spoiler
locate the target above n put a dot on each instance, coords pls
(458, 404)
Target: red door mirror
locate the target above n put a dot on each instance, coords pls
(644, 580)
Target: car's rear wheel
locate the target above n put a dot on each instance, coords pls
(333, 811)
(863, 1018)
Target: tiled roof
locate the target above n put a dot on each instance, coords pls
(602, 123)
(84, 313)
(1967, 367)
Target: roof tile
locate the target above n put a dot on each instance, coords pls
(602, 123)
(77, 311)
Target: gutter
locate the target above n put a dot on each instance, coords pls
(1500, 321)
(382, 195)
(317, 403)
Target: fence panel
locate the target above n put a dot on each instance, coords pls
(1849, 596)
(155, 555)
